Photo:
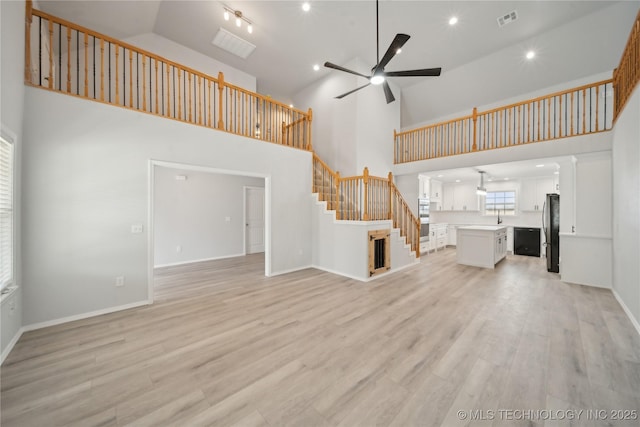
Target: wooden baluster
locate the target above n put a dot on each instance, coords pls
(28, 19)
(519, 117)
(179, 96)
(220, 99)
(209, 101)
(538, 138)
(308, 138)
(529, 122)
(157, 97)
(509, 127)
(117, 73)
(101, 69)
(188, 96)
(548, 118)
(50, 54)
(169, 93)
(239, 113)
(337, 206)
(68, 60)
(130, 78)
(571, 115)
(390, 178)
(597, 105)
(365, 180)
(560, 116)
(144, 83)
(201, 104)
(475, 129)
(86, 65)
(584, 110)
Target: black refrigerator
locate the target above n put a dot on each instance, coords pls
(551, 227)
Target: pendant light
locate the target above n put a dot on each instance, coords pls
(481, 191)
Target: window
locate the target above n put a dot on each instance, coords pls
(500, 203)
(6, 212)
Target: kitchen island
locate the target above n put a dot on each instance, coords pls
(481, 245)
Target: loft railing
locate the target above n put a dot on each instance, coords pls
(67, 58)
(627, 75)
(366, 198)
(579, 111)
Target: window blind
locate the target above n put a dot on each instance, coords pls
(6, 213)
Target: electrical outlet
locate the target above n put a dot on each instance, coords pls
(136, 229)
(120, 281)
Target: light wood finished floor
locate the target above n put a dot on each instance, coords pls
(224, 345)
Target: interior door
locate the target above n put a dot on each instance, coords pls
(254, 220)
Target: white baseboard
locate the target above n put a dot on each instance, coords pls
(173, 264)
(13, 342)
(328, 270)
(60, 321)
(292, 270)
(634, 321)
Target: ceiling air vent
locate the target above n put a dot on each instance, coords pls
(508, 18)
(233, 44)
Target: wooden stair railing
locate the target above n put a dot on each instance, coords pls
(67, 58)
(627, 75)
(365, 198)
(582, 110)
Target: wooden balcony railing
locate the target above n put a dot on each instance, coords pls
(366, 198)
(579, 111)
(627, 75)
(67, 58)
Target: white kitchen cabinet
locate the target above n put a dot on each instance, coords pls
(510, 239)
(533, 193)
(435, 192)
(481, 245)
(437, 236)
(423, 187)
(451, 235)
(459, 196)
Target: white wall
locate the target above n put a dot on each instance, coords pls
(190, 58)
(586, 41)
(355, 131)
(11, 116)
(626, 207)
(192, 214)
(86, 169)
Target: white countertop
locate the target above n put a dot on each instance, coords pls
(483, 227)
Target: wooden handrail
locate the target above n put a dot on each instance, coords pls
(137, 77)
(366, 198)
(627, 75)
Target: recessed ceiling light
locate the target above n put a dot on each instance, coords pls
(453, 20)
(539, 166)
(457, 180)
(531, 54)
(489, 179)
(440, 176)
(306, 6)
(316, 67)
(506, 179)
(556, 173)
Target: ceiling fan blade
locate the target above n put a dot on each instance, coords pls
(351, 91)
(387, 93)
(346, 70)
(425, 72)
(396, 44)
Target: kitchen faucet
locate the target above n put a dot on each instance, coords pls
(499, 220)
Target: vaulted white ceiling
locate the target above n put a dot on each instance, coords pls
(289, 41)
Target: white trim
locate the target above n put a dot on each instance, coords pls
(82, 316)
(150, 232)
(173, 264)
(11, 344)
(368, 279)
(292, 270)
(634, 321)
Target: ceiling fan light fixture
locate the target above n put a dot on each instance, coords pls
(377, 79)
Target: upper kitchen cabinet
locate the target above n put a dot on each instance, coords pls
(533, 192)
(436, 191)
(423, 191)
(459, 196)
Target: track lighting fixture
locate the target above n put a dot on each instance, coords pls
(228, 12)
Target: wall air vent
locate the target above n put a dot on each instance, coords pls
(233, 44)
(508, 18)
